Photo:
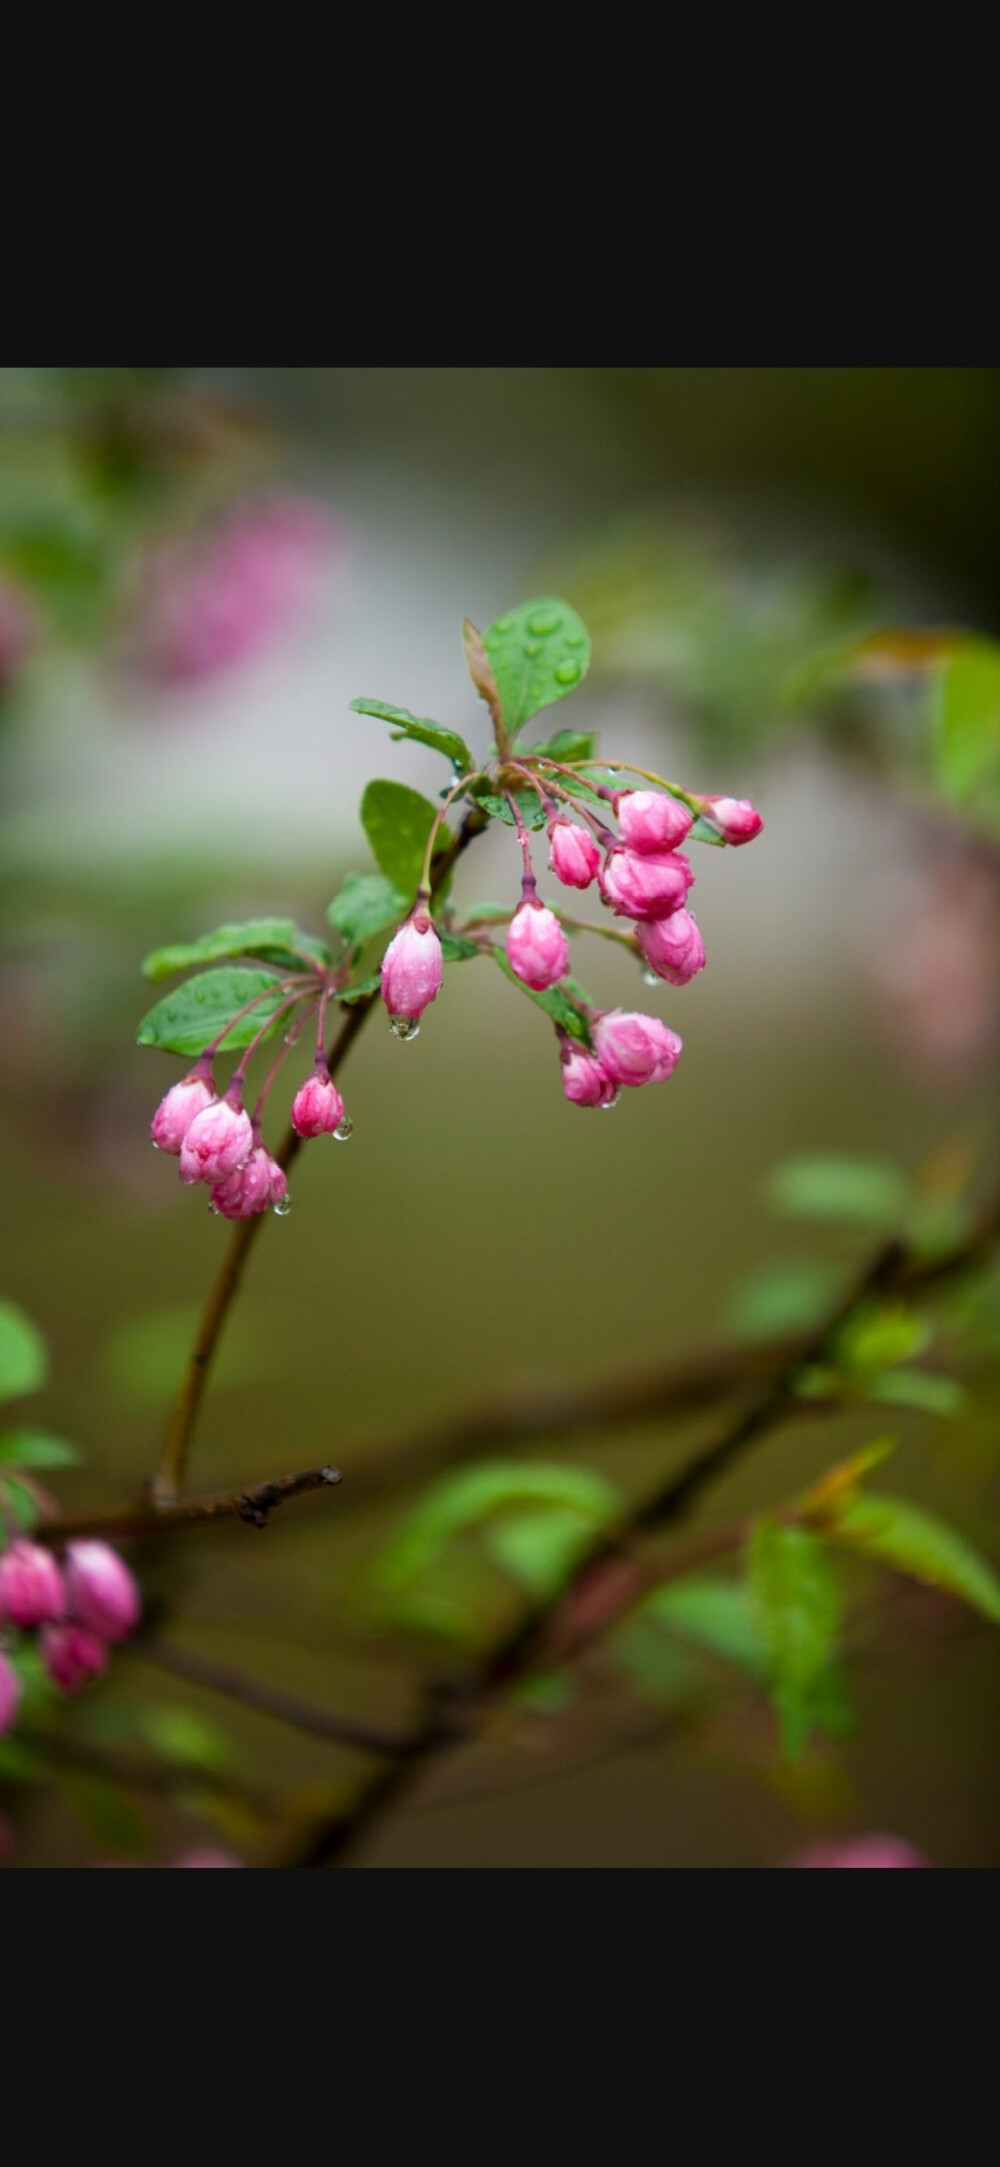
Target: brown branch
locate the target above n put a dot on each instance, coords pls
(268, 1700)
(133, 1771)
(254, 1505)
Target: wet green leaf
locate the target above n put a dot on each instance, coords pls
(555, 1002)
(830, 1185)
(274, 940)
(397, 822)
(566, 745)
(34, 1448)
(913, 1541)
(367, 904)
(23, 1357)
(455, 950)
(528, 802)
(421, 729)
(188, 1020)
(362, 991)
(797, 1604)
(537, 653)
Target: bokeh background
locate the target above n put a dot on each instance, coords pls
(199, 569)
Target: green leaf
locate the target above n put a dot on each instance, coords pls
(798, 1611)
(397, 822)
(418, 727)
(275, 940)
(188, 1020)
(537, 654)
(481, 911)
(144, 1355)
(362, 991)
(913, 1541)
(566, 745)
(528, 802)
(23, 1357)
(109, 1815)
(455, 950)
(782, 1298)
(479, 1494)
(365, 905)
(923, 1388)
(19, 1502)
(540, 1549)
(879, 1335)
(187, 1738)
(968, 735)
(702, 831)
(34, 1448)
(18, 1764)
(555, 1002)
(829, 1185)
(716, 1614)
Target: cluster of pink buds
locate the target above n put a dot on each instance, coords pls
(216, 1142)
(79, 1608)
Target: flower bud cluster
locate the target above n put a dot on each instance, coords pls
(216, 1141)
(79, 1608)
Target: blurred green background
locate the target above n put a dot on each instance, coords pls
(478, 1238)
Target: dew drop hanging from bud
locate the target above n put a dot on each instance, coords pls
(282, 1208)
(343, 1130)
(609, 1103)
(404, 1027)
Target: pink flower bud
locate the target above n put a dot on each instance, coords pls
(735, 818)
(574, 857)
(318, 1108)
(103, 1595)
(206, 1854)
(412, 969)
(673, 947)
(584, 1081)
(861, 1851)
(249, 1189)
(219, 1140)
(31, 1585)
(536, 947)
(175, 1113)
(10, 1693)
(72, 1656)
(635, 1049)
(651, 821)
(645, 887)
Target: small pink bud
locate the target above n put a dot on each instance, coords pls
(574, 857)
(72, 1656)
(206, 1854)
(861, 1851)
(318, 1108)
(537, 949)
(645, 887)
(584, 1081)
(103, 1595)
(412, 969)
(175, 1113)
(31, 1585)
(10, 1693)
(735, 818)
(650, 821)
(219, 1140)
(673, 947)
(249, 1189)
(635, 1049)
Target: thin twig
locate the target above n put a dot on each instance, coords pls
(268, 1700)
(254, 1505)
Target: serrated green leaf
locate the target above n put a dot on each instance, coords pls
(455, 950)
(797, 1605)
(189, 1019)
(716, 1614)
(566, 745)
(537, 653)
(23, 1356)
(421, 729)
(913, 1541)
(397, 822)
(365, 905)
(968, 733)
(540, 1549)
(479, 1494)
(830, 1185)
(555, 1002)
(274, 940)
(34, 1448)
(528, 802)
(785, 1297)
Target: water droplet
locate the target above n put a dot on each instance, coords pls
(650, 978)
(531, 649)
(502, 624)
(609, 1103)
(404, 1027)
(154, 1143)
(282, 1208)
(575, 639)
(567, 673)
(214, 1209)
(290, 1038)
(546, 621)
(343, 1130)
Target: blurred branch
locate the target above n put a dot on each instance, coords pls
(136, 1773)
(269, 1700)
(254, 1505)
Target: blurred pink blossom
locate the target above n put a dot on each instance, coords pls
(210, 601)
(18, 630)
(874, 1850)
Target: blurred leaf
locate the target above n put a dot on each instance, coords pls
(34, 1448)
(18, 1764)
(528, 802)
(910, 1540)
(829, 1185)
(365, 905)
(19, 1502)
(273, 939)
(397, 822)
(418, 727)
(537, 653)
(144, 1355)
(798, 1609)
(566, 745)
(108, 1814)
(362, 991)
(540, 1549)
(546, 1693)
(782, 1298)
(968, 738)
(926, 1389)
(455, 950)
(716, 1614)
(877, 1336)
(477, 664)
(23, 1357)
(188, 1020)
(555, 1002)
(481, 1493)
(840, 1482)
(190, 1739)
(660, 1670)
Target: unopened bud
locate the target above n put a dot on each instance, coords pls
(584, 1081)
(635, 1049)
(574, 857)
(645, 887)
(175, 1113)
(735, 818)
(651, 821)
(103, 1595)
(412, 968)
(537, 949)
(218, 1141)
(250, 1189)
(72, 1655)
(672, 947)
(31, 1585)
(318, 1108)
